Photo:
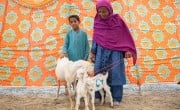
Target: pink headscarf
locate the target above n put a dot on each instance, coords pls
(112, 33)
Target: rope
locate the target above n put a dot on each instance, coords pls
(110, 66)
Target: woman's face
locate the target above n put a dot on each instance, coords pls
(103, 12)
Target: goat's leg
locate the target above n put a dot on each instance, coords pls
(58, 88)
(102, 96)
(107, 89)
(74, 84)
(69, 95)
(86, 103)
(66, 90)
(92, 100)
(77, 102)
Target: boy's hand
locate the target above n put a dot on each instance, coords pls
(63, 55)
(128, 55)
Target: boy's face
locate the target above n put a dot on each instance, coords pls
(103, 12)
(74, 23)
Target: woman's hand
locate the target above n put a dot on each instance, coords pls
(92, 57)
(128, 55)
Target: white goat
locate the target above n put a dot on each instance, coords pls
(81, 90)
(96, 83)
(66, 71)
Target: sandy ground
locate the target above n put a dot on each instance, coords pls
(151, 98)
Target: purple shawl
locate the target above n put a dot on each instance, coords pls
(112, 33)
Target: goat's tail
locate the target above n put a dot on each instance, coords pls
(106, 74)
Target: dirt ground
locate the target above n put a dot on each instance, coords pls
(157, 100)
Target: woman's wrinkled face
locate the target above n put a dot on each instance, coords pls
(103, 12)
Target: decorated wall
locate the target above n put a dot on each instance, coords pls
(32, 33)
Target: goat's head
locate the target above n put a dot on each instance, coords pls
(81, 73)
(85, 64)
(89, 82)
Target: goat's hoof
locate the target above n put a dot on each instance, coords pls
(72, 107)
(112, 105)
(56, 99)
(102, 104)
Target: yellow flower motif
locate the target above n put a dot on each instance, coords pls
(144, 27)
(9, 35)
(36, 53)
(51, 23)
(12, 3)
(2, 8)
(50, 43)
(130, 17)
(156, 19)
(158, 36)
(11, 17)
(175, 61)
(148, 62)
(163, 71)
(24, 26)
(161, 53)
(5, 72)
(142, 10)
(88, 23)
(6, 53)
(168, 11)
(21, 63)
(50, 63)
(64, 10)
(117, 8)
(37, 34)
(38, 16)
(74, 10)
(134, 33)
(88, 5)
(22, 44)
(35, 73)
(129, 2)
(63, 30)
(177, 3)
(136, 71)
(54, 6)
(146, 43)
(154, 4)
(68, 9)
(177, 77)
(24, 10)
(49, 81)
(173, 44)
(178, 19)
(151, 79)
(170, 28)
(18, 81)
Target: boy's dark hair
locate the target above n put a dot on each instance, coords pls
(74, 16)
